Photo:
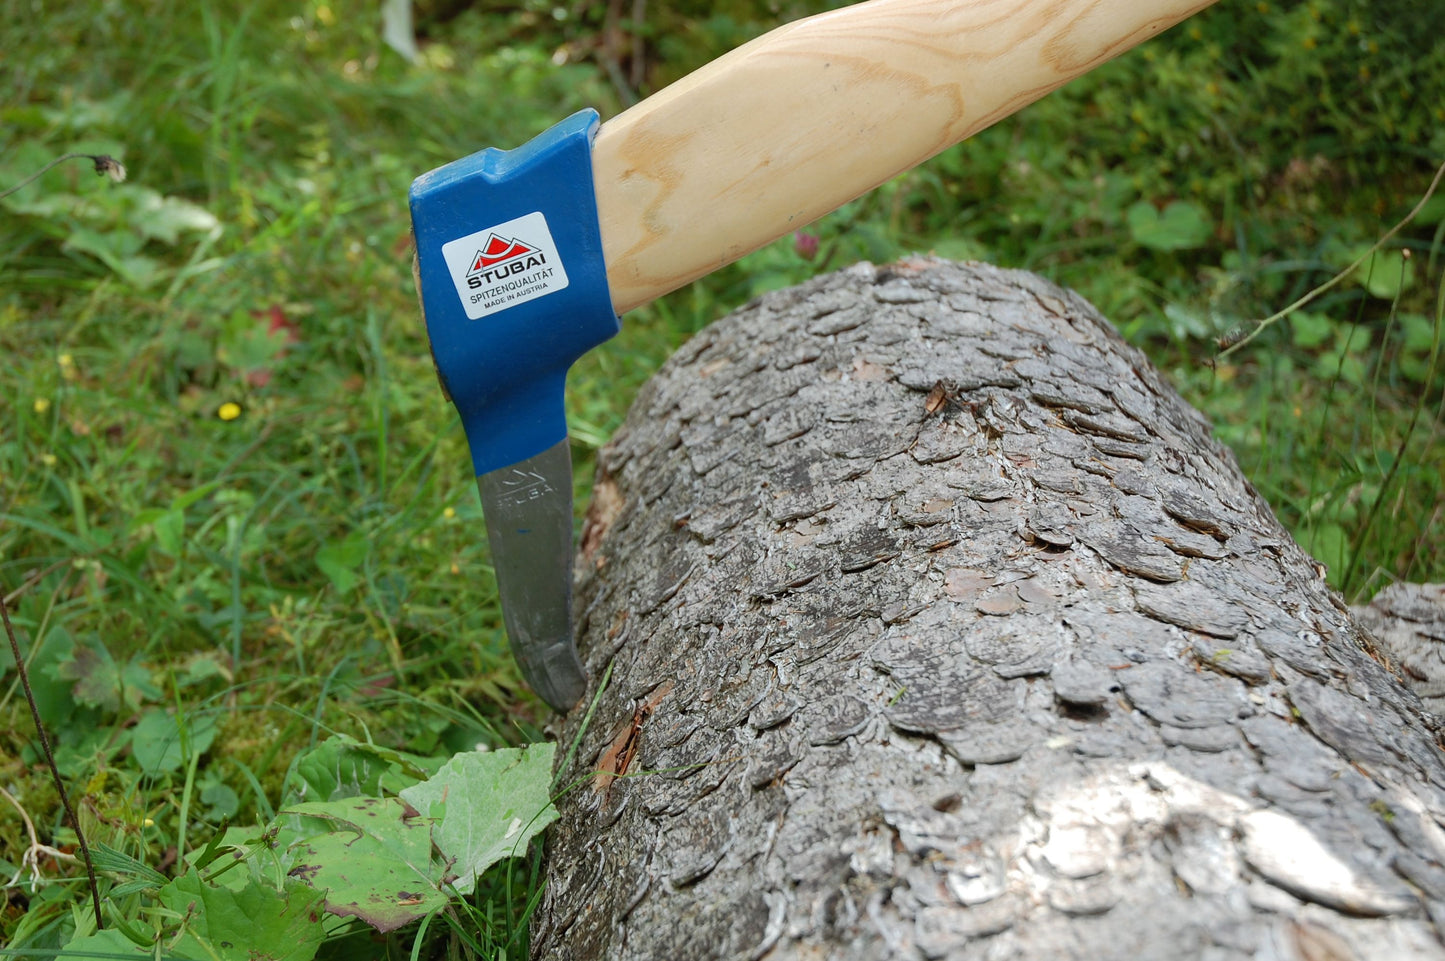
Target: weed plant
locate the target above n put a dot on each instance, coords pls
(236, 521)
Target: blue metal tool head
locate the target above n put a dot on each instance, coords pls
(513, 284)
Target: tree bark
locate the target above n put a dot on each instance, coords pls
(940, 627)
(1408, 621)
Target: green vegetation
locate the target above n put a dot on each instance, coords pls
(236, 525)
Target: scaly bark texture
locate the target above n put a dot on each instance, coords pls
(1408, 620)
(939, 627)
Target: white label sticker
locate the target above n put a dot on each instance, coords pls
(505, 265)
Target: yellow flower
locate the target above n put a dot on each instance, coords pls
(42, 404)
(230, 410)
(449, 513)
(48, 460)
(65, 360)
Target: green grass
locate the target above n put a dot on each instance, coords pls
(317, 563)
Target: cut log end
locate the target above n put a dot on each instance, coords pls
(979, 646)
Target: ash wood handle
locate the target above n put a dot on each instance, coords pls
(782, 130)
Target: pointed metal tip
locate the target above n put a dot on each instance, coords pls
(555, 673)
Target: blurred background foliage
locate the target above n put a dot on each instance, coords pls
(235, 511)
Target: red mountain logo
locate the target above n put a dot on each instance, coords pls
(497, 250)
(502, 265)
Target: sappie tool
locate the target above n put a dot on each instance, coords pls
(526, 257)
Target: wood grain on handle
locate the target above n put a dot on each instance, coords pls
(782, 130)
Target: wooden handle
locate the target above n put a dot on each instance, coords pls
(782, 130)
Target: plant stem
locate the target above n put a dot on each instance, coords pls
(1357, 544)
(1339, 277)
(105, 165)
(50, 759)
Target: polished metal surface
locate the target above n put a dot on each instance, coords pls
(528, 507)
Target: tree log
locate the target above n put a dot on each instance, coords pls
(1408, 621)
(940, 627)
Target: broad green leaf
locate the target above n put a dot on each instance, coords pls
(85, 114)
(1345, 359)
(51, 206)
(118, 250)
(341, 768)
(109, 943)
(256, 923)
(375, 864)
(1309, 329)
(1420, 338)
(1185, 323)
(1434, 210)
(156, 741)
(204, 665)
(45, 654)
(166, 218)
(248, 342)
(109, 245)
(339, 560)
(96, 676)
(265, 851)
(499, 800)
(1386, 274)
(1180, 226)
(136, 683)
(221, 800)
(1419, 332)
(193, 349)
(272, 851)
(170, 532)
